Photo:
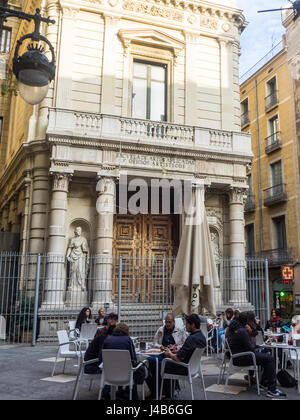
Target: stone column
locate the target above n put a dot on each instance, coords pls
(237, 248)
(104, 240)
(40, 196)
(5, 218)
(55, 282)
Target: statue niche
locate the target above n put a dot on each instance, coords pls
(78, 256)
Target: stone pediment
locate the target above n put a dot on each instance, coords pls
(151, 37)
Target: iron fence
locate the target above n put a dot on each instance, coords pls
(40, 294)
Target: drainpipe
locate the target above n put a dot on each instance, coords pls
(259, 171)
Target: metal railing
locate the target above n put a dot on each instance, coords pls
(271, 100)
(273, 142)
(245, 118)
(250, 203)
(275, 194)
(278, 256)
(39, 294)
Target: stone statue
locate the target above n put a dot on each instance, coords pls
(78, 256)
(215, 245)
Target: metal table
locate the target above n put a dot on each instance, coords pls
(142, 354)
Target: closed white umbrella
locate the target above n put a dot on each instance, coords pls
(195, 273)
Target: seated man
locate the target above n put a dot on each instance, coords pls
(240, 341)
(169, 336)
(94, 349)
(195, 340)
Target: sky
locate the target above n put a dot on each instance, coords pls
(263, 30)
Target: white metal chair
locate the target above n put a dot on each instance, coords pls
(208, 336)
(82, 375)
(225, 353)
(194, 370)
(118, 371)
(87, 332)
(64, 349)
(232, 368)
(73, 332)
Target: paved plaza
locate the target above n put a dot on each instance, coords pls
(26, 375)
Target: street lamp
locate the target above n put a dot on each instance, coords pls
(33, 70)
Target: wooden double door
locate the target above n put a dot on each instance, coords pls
(147, 244)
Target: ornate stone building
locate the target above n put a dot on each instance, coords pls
(147, 89)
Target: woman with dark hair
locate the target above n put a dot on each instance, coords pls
(84, 317)
(274, 322)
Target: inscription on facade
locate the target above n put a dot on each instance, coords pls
(149, 161)
(153, 10)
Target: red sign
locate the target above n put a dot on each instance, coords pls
(287, 274)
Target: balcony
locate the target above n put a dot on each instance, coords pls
(249, 205)
(273, 142)
(245, 119)
(275, 195)
(271, 101)
(278, 256)
(98, 128)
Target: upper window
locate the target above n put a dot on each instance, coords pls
(149, 91)
(5, 40)
(280, 232)
(245, 118)
(272, 97)
(276, 174)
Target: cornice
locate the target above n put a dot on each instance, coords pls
(24, 151)
(203, 8)
(150, 149)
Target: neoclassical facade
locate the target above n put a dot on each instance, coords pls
(144, 90)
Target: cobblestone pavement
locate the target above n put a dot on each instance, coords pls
(26, 375)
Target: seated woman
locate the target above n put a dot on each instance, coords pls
(84, 317)
(274, 322)
(120, 340)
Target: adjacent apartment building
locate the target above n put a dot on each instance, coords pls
(271, 207)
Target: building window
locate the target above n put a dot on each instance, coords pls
(5, 40)
(1, 126)
(274, 126)
(276, 174)
(272, 96)
(280, 232)
(245, 117)
(250, 242)
(149, 91)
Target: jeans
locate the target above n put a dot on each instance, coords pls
(267, 362)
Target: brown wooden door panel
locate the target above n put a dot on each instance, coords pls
(144, 241)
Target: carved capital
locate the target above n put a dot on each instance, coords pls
(61, 181)
(236, 196)
(105, 185)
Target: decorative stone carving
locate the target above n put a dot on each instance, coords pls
(236, 195)
(153, 10)
(209, 23)
(78, 256)
(149, 161)
(61, 181)
(215, 245)
(226, 27)
(192, 19)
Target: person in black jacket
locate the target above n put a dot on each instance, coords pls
(240, 342)
(84, 317)
(94, 350)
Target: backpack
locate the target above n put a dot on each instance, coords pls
(285, 379)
